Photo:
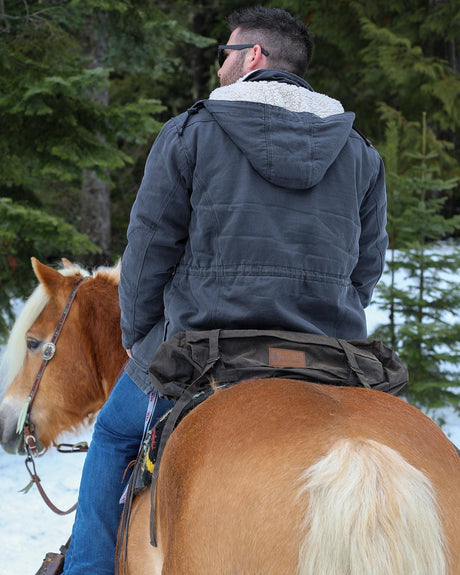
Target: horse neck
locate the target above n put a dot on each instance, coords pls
(100, 319)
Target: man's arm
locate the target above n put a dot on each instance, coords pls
(373, 240)
(157, 233)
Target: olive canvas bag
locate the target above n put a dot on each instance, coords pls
(229, 356)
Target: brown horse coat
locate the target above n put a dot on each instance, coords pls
(229, 498)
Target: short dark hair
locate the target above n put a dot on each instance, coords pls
(285, 38)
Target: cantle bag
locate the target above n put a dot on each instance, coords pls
(229, 356)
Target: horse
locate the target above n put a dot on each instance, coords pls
(88, 357)
(267, 476)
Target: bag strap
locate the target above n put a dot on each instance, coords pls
(213, 353)
(170, 424)
(351, 358)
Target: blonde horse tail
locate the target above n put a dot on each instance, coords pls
(369, 511)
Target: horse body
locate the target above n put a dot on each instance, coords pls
(268, 476)
(282, 476)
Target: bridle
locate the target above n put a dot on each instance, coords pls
(25, 426)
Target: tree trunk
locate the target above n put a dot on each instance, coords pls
(95, 216)
(200, 71)
(95, 213)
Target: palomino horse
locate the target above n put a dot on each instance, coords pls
(88, 357)
(267, 477)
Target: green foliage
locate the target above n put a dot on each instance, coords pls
(403, 54)
(410, 78)
(25, 227)
(422, 326)
(27, 232)
(76, 94)
(50, 123)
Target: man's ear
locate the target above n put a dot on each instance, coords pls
(257, 59)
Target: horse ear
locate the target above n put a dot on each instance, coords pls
(50, 278)
(66, 263)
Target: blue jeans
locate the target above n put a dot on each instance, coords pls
(115, 442)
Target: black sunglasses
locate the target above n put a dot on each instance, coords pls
(221, 55)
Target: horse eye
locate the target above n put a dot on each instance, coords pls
(33, 344)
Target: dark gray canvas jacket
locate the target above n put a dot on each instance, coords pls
(253, 216)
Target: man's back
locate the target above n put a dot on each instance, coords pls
(285, 225)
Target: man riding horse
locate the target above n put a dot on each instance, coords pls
(261, 207)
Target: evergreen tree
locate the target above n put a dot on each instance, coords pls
(77, 107)
(26, 231)
(404, 54)
(421, 297)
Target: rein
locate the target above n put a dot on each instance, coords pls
(25, 425)
(35, 479)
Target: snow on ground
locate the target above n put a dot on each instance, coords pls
(28, 529)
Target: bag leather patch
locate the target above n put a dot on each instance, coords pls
(280, 357)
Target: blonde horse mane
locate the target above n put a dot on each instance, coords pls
(16, 348)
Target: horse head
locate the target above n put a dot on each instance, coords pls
(86, 355)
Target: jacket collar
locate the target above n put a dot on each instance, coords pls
(268, 74)
(278, 88)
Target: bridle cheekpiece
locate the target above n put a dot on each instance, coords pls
(25, 426)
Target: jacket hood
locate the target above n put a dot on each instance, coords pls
(289, 134)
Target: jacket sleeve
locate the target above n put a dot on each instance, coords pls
(373, 240)
(157, 233)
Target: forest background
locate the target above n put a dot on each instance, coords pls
(85, 86)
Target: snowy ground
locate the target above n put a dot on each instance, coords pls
(28, 529)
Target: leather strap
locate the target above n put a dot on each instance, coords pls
(36, 479)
